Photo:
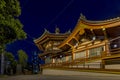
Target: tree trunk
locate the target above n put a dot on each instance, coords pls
(2, 62)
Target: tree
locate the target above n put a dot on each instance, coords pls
(11, 63)
(11, 28)
(9, 56)
(22, 58)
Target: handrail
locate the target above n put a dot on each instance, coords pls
(68, 63)
(115, 49)
(81, 61)
(115, 38)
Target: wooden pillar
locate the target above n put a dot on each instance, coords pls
(66, 58)
(103, 64)
(107, 48)
(87, 53)
(93, 33)
(53, 60)
(72, 47)
(73, 54)
(106, 41)
(105, 33)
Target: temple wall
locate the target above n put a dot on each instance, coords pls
(115, 66)
(95, 64)
(48, 60)
(69, 58)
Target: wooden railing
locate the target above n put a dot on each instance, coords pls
(115, 51)
(79, 60)
(75, 62)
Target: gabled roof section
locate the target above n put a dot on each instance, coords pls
(47, 36)
(97, 23)
(46, 32)
(83, 24)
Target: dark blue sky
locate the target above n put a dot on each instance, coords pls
(39, 14)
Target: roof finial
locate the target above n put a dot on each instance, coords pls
(69, 31)
(45, 30)
(57, 30)
(82, 16)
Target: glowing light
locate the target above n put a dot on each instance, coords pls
(115, 45)
(60, 56)
(94, 38)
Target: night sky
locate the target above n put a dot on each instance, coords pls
(39, 14)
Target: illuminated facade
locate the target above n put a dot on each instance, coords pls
(92, 44)
(48, 43)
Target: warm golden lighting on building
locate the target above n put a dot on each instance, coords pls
(92, 44)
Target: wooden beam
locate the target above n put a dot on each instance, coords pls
(105, 33)
(73, 54)
(92, 31)
(76, 39)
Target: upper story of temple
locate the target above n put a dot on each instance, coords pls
(87, 30)
(48, 41)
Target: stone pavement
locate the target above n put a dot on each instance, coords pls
(63, 77)
(71, 73)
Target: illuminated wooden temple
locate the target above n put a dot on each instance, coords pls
(92, 44)
(48, 43)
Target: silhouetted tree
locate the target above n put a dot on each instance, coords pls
(11, 28)
(11, 62)
(22, 58)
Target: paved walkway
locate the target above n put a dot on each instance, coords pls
(76, 73)
(63, 75)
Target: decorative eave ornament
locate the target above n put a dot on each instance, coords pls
(82, 17)
(57, 30)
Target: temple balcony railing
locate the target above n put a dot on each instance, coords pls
(114, 46)
(75, 62)
(114, 49)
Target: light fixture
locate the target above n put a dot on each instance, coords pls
(60, 56)
(115, 45)
(93, 38)
(45, 56)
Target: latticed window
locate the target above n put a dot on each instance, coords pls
(70, 58)
(80, 54)
(48, 60)
(95, 51)
(63, 59)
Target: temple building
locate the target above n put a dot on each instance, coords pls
(48, 43)
(91, 44)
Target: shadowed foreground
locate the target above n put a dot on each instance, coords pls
(83, 76)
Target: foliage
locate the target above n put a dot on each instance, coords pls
(14, 63)
(11, 28)
(9, 56)
(11, 62)
(23, 57)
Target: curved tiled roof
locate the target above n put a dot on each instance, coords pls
(83, 23)
(47, 33)
(46, 36)
(101, 22)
